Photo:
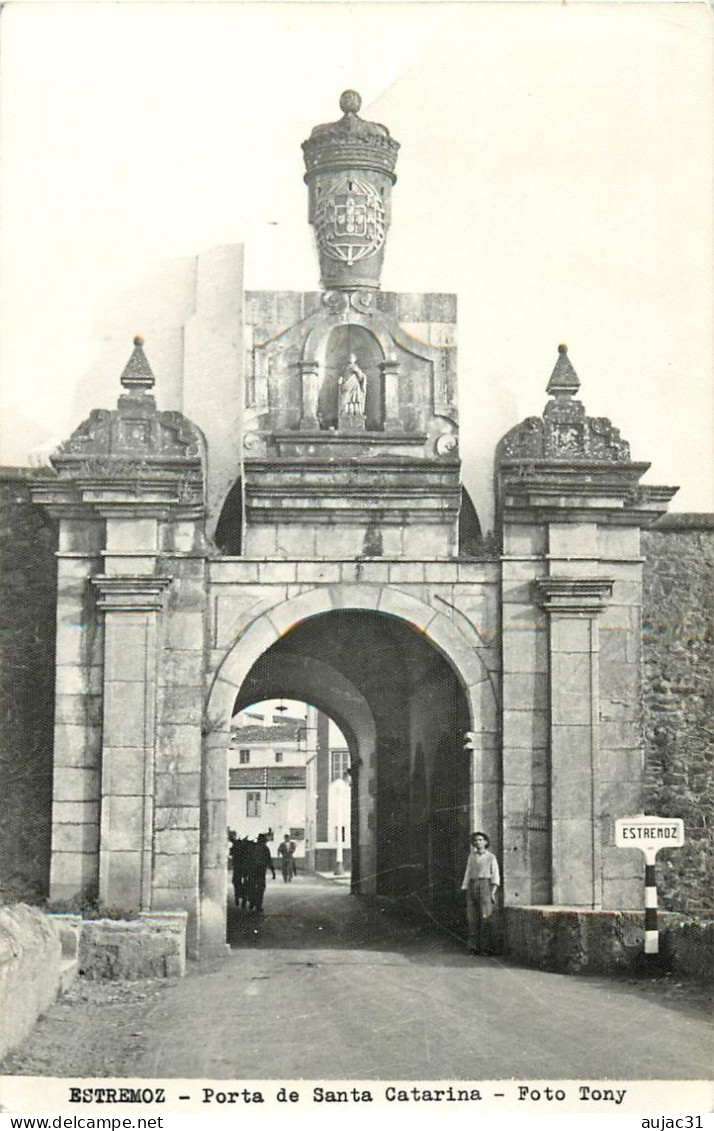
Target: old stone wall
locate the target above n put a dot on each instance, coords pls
(679, 700)
(151, 946)
(30, 971)
(27, 655)
(576, 941)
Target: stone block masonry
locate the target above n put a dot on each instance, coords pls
(151, 946)
(678, 677)
(574, 941)
(27, 653)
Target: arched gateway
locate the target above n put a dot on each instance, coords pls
(398, 676)
(337, 489)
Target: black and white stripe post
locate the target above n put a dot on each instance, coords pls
(651, 931)
(649, 834)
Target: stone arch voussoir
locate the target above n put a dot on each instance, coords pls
(271, 624)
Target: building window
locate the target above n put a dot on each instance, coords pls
(278, 755)
(340, 764)
(252, 804)
(244, 757)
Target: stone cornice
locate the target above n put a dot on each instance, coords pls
(89, 498)
(350, 492)
(323, 447)
(130, 594)
(573, 595)
(581, 491)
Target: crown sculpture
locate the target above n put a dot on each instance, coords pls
(350, 172)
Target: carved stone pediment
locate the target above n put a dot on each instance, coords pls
(131, 456)
(566, 462)
(131, 433)
(410, 381)
(565, 432)
(135, 438)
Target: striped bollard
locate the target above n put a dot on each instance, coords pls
(649, 834)
(651, 932)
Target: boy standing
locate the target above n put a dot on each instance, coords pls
(482, 880)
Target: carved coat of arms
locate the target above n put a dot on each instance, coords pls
(349, 221)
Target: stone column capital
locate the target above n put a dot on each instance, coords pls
(308, 365)
(573, 596)
(389, 365)
(130, 594)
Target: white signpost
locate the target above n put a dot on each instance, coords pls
(649, 834)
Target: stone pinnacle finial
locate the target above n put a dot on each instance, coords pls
(137, 376)
(350, 102)
(564, 381)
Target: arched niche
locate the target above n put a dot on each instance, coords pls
(341, 343)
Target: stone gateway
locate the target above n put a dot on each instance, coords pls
(316, 543)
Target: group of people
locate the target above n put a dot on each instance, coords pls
(250, 861)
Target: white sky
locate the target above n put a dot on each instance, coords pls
(296, 709)
(555, 172)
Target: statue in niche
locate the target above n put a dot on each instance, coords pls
(352, 389)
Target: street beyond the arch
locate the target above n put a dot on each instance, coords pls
(324, 987)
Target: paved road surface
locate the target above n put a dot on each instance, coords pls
(323, 988)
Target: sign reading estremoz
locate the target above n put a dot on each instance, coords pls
(649, 833)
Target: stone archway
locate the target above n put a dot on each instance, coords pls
(430, 638)
(268, 625)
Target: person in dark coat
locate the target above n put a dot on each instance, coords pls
(241, 853)
(260, 862)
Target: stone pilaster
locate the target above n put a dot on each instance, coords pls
(130, 606)
(573, 606)
(78, 715)
(571, 507)
(129, 493)
(214, 822)
(524, 721)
